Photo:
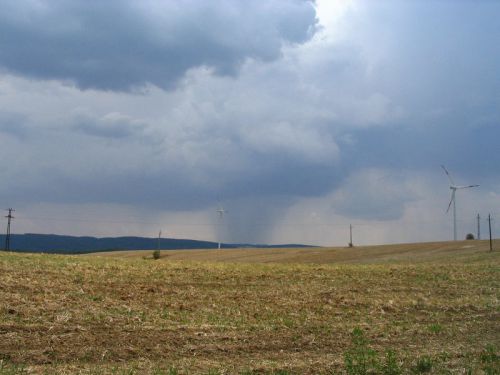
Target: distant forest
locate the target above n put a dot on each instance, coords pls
(57, 244)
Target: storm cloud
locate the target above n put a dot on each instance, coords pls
(122, 45)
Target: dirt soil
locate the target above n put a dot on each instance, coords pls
(281, 310)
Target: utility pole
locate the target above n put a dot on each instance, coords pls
(478, 227)
(221, 213)
(489, 225)
(350, 236)
(454, 218)
(7, 237)
(159, 239)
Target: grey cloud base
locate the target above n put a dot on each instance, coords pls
(125, 45)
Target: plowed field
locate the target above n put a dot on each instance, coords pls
(435, 307)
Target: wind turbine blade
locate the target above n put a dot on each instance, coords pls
(466, 187)
(451, 200)
(448, 174)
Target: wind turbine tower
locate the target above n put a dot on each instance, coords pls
(221, 213)
(454, 188)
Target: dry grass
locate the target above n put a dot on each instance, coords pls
(100, 315)
(415, 252)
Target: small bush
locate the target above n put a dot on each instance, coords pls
(469, 236)
(156, 254)
(424, 364)
(435, 328)
(11, 369)
(360, 359)
(490, 361)
(391, 365)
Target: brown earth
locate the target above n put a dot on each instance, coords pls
(250, 310)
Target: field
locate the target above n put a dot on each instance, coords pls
(420, 308)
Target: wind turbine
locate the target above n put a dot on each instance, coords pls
(221, 213)
(453, 199)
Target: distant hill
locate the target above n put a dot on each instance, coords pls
(52, 243)
(58, 244)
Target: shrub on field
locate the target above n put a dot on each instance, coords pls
(469, 236)
(424, 364)
(490, 360)
(360, 359)
(156, 254)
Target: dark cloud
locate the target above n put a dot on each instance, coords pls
(121, 45)
(113, 126)
(373, 195)
(124, 171)
(467, 147)
(13, 124)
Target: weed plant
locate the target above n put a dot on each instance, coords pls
(360, 359)
(424, 365)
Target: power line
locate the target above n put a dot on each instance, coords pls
(489, 225)
(7, 237)
(44, 218)
(201, 224)
(478, 227)
(221, 213)
(318, 223)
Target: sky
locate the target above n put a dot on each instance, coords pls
(299, 118)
